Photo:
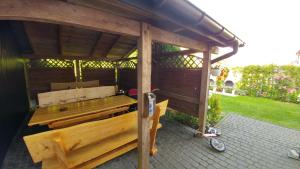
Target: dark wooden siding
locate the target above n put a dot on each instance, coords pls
(127, 78)
(13, 98)
(105, 76)
(40, 79)
(180, 86)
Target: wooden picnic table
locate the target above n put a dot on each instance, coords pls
(50, 114)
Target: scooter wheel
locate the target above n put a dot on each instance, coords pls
(217, 145)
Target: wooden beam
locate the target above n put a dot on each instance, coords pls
(29, 38)
(93, 51)
(179, 96)
(59, 40)
(111, 46)
(130, 51)
(144, 86)
(204, 87)
(59, 12)
(177, 53)
(176, 39)
(33, 56)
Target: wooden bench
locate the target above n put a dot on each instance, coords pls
(90, 144)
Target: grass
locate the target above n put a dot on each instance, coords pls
(276, 112)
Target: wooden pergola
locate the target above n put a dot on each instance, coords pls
(111, 30)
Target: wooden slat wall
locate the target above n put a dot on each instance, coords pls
(13, 96)
(127, 79)
(180, 86)
(40, 79)
(106, 77)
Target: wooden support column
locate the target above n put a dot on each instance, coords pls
(204, 87)
(144, 86)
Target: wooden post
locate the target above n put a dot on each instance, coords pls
(144, 86)
(204, 87)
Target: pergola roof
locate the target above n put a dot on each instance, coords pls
(178, 17)
(58, 40)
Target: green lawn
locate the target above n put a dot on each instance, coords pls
(280, 113)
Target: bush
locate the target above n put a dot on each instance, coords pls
(271, 81)
(183, 118)
(214, 113)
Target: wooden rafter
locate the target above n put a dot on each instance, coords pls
(51, 11)
(130, 51)
(111, 46)
(29, 38)
(59, 41)
(94, 48)
(34, 56)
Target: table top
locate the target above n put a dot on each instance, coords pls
(46, 115)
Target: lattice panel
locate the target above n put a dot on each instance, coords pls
(190, 62)
(51, 63)
(97, 65)
(132, 64)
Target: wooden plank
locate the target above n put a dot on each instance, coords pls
(130, 51)
(78, 155)
(106, 77)
(163, 36)
(79, 136)
(59, 12)
(113, 43)
(144, 86)
(93, 51)
(153, 131)
(177, 53)
(59, 41)
(74, 95)
(62, 86)
(60, 152)
(53, 164)
(50, 114)
(78, 144)
(179, 97)
(203, 104)
(81, 119)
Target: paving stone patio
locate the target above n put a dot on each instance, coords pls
(250, 144)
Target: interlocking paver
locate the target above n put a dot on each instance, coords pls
(250, 144)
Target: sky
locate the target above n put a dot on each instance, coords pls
(270, 28)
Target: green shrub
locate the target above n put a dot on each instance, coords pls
(271, 81)
(214, 113)
(183, 118)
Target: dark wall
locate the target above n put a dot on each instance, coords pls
(106, 77)
(13, 98)
(127, 79)
(180, 86)
(39, 79)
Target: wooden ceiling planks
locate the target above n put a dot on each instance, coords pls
(77, 41)
(51, 39)
(42, 37)
(121, 48)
